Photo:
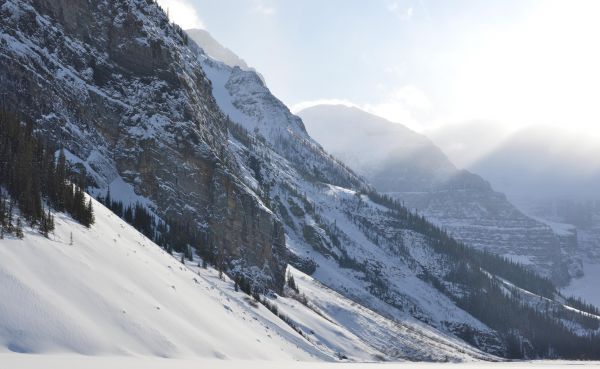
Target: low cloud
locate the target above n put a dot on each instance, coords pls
(264, 8)
(182, 12)
(405, 105)
(402, 11)
(309, 104)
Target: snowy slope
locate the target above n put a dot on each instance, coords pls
(114, 292)
(69, 361)
(398, 339)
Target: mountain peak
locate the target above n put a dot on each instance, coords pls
(375, 146)
(216, 50)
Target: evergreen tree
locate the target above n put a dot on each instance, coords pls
(33, 179)
(19, 229)
(60, 179)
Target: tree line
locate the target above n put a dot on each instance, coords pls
(33, 181)
(528, 331)
(444, 243)
(173, 235)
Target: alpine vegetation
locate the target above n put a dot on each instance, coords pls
(33, 180)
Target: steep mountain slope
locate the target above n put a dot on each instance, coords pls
(115, 84)
(133, 107)
(113, 292)
(409, 338)
(410, 167)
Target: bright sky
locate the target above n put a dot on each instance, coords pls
(423, 63)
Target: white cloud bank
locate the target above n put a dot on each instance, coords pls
(182, 13)
(403, 105)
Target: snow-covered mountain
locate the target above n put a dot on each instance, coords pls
(557, 184)
(332, 230)
(408, 166)
(208, 148)
(109, 290)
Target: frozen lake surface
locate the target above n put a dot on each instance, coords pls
(27, 361)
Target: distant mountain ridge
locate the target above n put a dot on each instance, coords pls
(410, 167)
(554, 175)
(558, 165)
(393, 157)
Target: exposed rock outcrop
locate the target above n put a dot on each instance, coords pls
(116, 84)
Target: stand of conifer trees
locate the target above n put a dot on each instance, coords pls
(529, 332)
(31, 180)
(171, 235)
(446, 244)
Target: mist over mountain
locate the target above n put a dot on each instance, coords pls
(539, 161)
(214, 49)
(544, 162)
(391, 156)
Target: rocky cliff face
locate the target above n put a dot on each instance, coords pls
(115, 84)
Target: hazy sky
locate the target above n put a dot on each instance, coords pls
(423, 63)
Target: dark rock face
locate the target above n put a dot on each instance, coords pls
(115, 84)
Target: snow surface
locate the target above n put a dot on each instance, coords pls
(113, 292)
(586, 287)
(66, 362)
(392, 338)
